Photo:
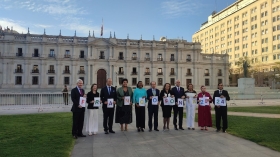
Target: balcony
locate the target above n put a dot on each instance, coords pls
(35, 55)
(51, 71)
(189, 74)
(220, 74)
(134, 58)
(120, 72)
(81, 71)
(82, 56)
(121, 57)
(159, 59)
(52, 55)
(19, 54)
(172, 73)
(147, 73)
(67, 56)
(206, 74)
(66, 71)
(18, 71)
(172, 59)
(101, 57)
(134, 73)
(35, 71)
(189, 60)
(160, 73)
(147, 59)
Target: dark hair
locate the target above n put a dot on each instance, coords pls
(138, 84)
(165, 86)
(202, 86)
(189, 85)
(92, 86)
(124, 79)
(220, 83)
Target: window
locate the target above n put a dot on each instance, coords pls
(207, 82)
(67, 54)
(188, 81)
(19, 53)
(206, 72)
(189, 58)
(36, 53)
(147, 81)
(172, 72)
(134, 56)
(101, 55)
(51, 53)
(121, 56)
(147, 70)
(120, 80)
(172, 81)
(134, 70)
(51, 80)
(121, 70)
(160, 57)
(18, 69)
(35, 69)
(82, 78)
(159, 71)
(172, 57)
(160, 81)
(264, 49)
(134, 81)
(82, 54)
(51, 70)
(82, 70)
(220, 81)
(18, 80)
(66, 80)
(35, 80)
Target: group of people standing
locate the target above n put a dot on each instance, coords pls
(124, 111)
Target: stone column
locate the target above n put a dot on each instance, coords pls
(59, 77)
(43, 78)
(27, 74)
(87, 76)
(4, 70)
(74, 74)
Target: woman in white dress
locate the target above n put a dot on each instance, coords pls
(92, 111)
(190, 106)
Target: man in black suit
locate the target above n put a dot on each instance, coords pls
(178, 93)
(78, 110)
(221, 111)
(108, 92)
(153, 109)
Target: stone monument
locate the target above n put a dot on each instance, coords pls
(246, 86)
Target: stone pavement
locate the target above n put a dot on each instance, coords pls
(166, 144)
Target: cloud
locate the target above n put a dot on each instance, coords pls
(176, 8)
(17, 25)
(43, 26)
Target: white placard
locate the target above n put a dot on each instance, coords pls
(191, 100)
(127, 100)
(166, 101)
(203, 101)
(110, 103)
(155, 100)
(171, 100)
(220, 101)
(191, 95)
(96, 102)
(82, 101)
(141, 101)
(180, 102)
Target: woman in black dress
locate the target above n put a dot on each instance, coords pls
(92, 111)
(166, 109)
(124, 112)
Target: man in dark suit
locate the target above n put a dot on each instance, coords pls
(179, 92)
(108, 92)
(78, 110)
(153, 109)
(221, 111)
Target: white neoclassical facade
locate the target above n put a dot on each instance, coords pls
(47, 62)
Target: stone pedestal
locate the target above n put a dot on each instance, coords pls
(246, 88)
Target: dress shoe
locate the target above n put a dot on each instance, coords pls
(189, 128)
(106, 132)
(90, 134)
(75, 136)
(150, 130)
(175, 127)
(112, 131)
(181, 128)
(142, 129)
(193, 128)
(224, 131)
(138, 129)
(156, 130)
(82, 135)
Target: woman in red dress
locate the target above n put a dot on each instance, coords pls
(204, 109)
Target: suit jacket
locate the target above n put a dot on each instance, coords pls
(104, 95)
(75, 97)
(178, 94)
(217, 94)
(120, 94)
(150, 93)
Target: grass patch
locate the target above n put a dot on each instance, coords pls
(44, 135)
(263, 131)
(257, 109)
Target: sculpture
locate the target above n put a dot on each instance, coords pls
(245, 68)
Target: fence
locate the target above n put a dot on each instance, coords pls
(33, 100)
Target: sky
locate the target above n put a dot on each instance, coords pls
(134, 18)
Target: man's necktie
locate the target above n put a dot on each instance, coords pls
(109, 90)
(178, 88)
(154, 92)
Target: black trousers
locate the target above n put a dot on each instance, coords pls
(140, 116)
(108, 117)
(65, 98)
(153, 111)
(221, 113)
(78, 123)
(178, 110)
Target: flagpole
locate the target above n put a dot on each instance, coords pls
(101, 33)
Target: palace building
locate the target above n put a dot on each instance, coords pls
(47, 62)
(246, 28)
